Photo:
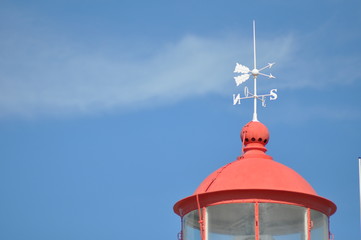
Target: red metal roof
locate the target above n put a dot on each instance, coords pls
(255, 169)
(255, 175)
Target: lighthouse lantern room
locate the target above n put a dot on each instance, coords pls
(254, 197)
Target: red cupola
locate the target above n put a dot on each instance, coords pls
(255, 169)
(255, 198)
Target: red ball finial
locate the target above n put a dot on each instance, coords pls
(255, 132)
(254, 136)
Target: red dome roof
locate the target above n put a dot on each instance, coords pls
(255, 169)
(255, 175)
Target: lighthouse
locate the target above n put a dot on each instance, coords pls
(254, 197)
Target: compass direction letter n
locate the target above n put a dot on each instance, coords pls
(236, 99)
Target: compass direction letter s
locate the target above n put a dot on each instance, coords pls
(273, 94)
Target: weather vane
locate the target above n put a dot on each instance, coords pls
(246, 73)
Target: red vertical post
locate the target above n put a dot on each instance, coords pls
(256, 221)
(204, 224)
(309, 224)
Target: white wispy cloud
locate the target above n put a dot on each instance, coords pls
(39, 77)
(43, 74)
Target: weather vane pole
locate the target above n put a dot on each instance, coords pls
(246, 73)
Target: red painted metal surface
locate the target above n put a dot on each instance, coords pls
(309, 224)
(255, 176)
(256, 221)
(255, 172)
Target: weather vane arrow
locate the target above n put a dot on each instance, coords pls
(246, 73)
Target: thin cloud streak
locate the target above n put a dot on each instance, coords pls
(58, 79)
(40, 76)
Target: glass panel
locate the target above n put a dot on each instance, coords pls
(282, 222)
(237, 222)
(231, 221)
(319, 230)
(191, 226)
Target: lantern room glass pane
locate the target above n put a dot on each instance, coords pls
(191, 226)
(282, 222)
(234, 221)
(319, 223)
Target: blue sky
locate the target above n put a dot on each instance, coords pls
(111, 111)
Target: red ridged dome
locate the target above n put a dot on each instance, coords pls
(255, 169)
(255, 175)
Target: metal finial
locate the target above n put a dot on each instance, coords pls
(246, 73)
